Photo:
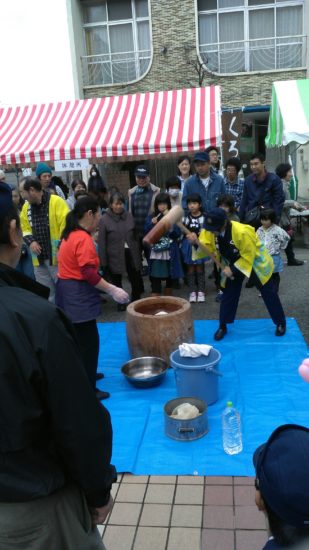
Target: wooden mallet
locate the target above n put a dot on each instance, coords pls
(170, 218)
(202, 246)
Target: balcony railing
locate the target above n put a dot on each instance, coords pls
(262, 54)
(114, 68)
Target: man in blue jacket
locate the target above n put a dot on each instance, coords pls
(261, 188)
(205, 182)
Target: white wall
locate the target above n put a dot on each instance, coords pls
(35, 53)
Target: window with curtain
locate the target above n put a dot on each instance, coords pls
(117, 40)
(251, 35)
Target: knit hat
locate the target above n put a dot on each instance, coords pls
(6, 202)
(42, 168)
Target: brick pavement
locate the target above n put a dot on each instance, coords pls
(181, 512)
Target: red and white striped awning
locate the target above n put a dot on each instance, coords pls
(117, 126)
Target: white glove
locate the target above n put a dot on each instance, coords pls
(118, 294)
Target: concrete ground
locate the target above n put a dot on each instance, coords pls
(200, 513)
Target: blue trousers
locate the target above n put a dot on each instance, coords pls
(231, 294)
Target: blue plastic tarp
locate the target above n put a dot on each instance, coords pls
(259, 376)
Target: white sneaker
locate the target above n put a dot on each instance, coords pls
(192, 297)
(201, 297)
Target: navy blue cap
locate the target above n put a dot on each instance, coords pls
(215, 219)
(141, 171)
(282, 466)
(6, 201)
(202, 156)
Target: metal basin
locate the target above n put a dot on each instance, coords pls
(145, 372)
(186, 430)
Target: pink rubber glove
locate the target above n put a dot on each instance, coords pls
(118, 294)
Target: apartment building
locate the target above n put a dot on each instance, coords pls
(132, 46)
(129, 46)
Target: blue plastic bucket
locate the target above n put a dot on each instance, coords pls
(197, 376)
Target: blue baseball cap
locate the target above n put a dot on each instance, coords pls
(215, 219)
(282, 466)
(141, 171)
(202, 156)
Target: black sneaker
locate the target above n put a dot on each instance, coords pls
(295, 262)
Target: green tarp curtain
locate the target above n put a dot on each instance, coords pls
(289, 113)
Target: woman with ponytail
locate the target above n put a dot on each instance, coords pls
(79, 283)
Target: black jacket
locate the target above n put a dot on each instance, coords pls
(267, 193)
(52, 428)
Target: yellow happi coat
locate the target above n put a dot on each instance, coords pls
(57, 213)
(253, 254)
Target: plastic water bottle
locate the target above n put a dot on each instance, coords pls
(231, 430)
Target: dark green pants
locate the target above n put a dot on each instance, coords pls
(58, 522)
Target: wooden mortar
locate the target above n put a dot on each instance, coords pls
(158, 335)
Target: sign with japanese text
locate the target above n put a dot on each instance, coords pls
(75, 164)
(231, 133)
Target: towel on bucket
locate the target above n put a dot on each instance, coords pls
(194, 350)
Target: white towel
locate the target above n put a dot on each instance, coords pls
(194, 350)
